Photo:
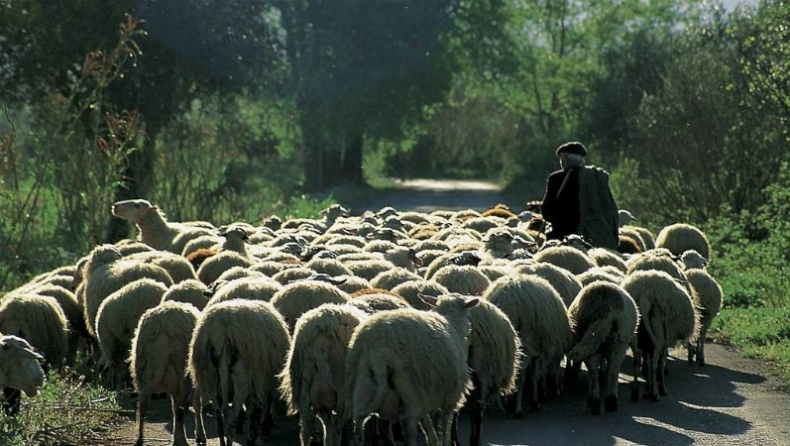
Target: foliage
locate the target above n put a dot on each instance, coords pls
(68, 410)
(58, 180)
(758, 333)
(752, 250)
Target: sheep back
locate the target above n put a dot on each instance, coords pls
(566, 257)
(296, 298)
(463, 279)
(681, 237)
(40, 321)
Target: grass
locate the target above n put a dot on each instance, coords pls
(762, 333)
(69, 410)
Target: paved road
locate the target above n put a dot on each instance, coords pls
(731, 401)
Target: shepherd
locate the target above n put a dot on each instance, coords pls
(578, 200)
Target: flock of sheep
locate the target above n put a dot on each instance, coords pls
(368, 328)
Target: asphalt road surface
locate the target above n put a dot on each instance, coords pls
(730, 401)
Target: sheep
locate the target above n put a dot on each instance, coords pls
(604, 320)
(20, 368)
(105, 272)
(199, 256)
(40, 321)
(154, 229)
(188, 291)
(289, 275)
(668, 318)
(595, 274)
(250, 288)
(465, 279)
(71, 310)
(214, 266)
(540, 318)
(494, 361)
(563, 281)
(494, 272)
(390, 279)
(645, 234)
(708, 298)
(129, 247)
(407, 363)
(353, 284)
(328, 266)
(410, 291)
(296, 298)
(158, 364)
(404, 257)
(209, 242)
(176, 265)
(376, 300)
(236, 352)
(566, 257)
(368, 269)
(680, 237)
(693, 260)
(240, 272)
(117, 319)
(635, 236)
(270, 267)
(314, 371)
(605, 257)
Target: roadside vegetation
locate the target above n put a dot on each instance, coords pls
(275, 108)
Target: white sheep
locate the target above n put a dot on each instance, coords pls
(604, 320)
(680, 237)
(566, 257)
(372, 301)
(188, 291)
(708, 297)
(40, 321)
(250, 288)
(154, 229)
(314, 372)
(540, 318)
(390, 279)
(464, 279)
(20, 368)
(237, 350)
(693, 260)
(405, 364)
(177, 266)
(494, 360)
(117, 320)
(368, 269)
(410, 291)
(296, 298)
(106, 272)
(668, 318)
(158, 364)
(353, 284)
(611, 275)
(566, 284)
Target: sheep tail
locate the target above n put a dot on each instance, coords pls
(647, 320)
(223, 374)
(593, 338)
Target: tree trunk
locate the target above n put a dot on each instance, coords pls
(351, 169)
(139, 175)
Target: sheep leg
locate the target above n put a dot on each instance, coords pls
(200, 431)
(515, 409)
(703, 333)
(305, 429)
(661, 375)
(446, 427)
(427, 427)
(220, 418)
(179, 431)
(637, 370)
(594, 385)
(477, 406)
(454, 440)
(256, 420)
(653, 371)
(534, 404)
(142, 404)
(613, 377)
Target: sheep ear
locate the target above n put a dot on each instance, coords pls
(428, 299)
(472, 302)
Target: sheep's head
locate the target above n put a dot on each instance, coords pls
(323, 277)
(236, 232)
(466, 258)
(335, 211)
(386, 211)
(579, 242)
(387, 234)
(691, 259)
(133, 210)
(272, 222)
(625, 217)
(20, 365)
(103, 255)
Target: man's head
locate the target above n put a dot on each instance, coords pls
(571, 154)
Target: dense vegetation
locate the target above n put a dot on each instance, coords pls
(233, 110)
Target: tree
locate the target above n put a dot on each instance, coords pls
(368, 70)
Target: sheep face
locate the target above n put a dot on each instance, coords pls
(20, 365)
(133, 210)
